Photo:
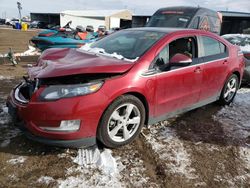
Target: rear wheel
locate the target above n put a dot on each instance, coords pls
(229, 90)
(121, 122)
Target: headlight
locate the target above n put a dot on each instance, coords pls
(64, 91)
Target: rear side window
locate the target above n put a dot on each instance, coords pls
(212, 47)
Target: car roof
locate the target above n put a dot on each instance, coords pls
(168, 30)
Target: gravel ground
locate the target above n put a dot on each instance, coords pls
(15, 39)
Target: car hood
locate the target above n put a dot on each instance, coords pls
(64, 62)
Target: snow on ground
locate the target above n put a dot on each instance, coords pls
(30, 52)
(165, 142)
(45, 180)
(94, 168)
(6, 77)
(18, 160)
(7, 132)
(235, 120)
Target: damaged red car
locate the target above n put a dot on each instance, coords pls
(109, 90)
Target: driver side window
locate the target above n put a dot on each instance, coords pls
(176, 53)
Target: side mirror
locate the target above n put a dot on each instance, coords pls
(180, 60)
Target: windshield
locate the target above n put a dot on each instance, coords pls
(126, 45)
(172, 17)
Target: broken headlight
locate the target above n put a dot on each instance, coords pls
(56, 92)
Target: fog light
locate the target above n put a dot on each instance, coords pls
(65, 126)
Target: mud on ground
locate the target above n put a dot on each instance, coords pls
(196, 149)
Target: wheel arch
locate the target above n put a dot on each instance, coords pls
(143, 99)
(237, 73)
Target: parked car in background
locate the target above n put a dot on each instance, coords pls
(243, 41)
(110, 89)
(187, 17)
(38, 25)
(12, 22)
(2, 21)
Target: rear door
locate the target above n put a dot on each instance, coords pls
(214, 65)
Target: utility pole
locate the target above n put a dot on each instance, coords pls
(19, 6)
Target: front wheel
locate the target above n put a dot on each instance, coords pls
(121, 122)
(229, 90)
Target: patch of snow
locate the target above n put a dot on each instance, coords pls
(13, 177)
(3, 55)
(170, 149)
(235, 118)
(245, 156)
(95, 169)
(45, 180)
(30, 52)
(18, 160)
(87, 157)
(132, 169)
(7, 131)
(107, 163)
(242, 40)
(245, 48)
(101, 51)
(6, 77)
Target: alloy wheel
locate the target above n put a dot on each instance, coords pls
(230, 89)
(124, 122)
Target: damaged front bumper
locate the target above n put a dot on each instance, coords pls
(31, 116)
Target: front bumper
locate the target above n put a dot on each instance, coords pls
(77, 143)
(35, 114)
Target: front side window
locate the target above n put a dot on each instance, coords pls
(184, 47)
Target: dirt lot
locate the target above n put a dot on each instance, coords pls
(207, 147)
(15, 39)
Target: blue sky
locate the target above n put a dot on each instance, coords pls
(138, 6)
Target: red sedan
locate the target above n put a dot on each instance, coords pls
(112, 88)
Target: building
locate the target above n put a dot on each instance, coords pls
(234, 22)
(48, 18)
(96, 18)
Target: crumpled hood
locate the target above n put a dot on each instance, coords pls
(64, 62)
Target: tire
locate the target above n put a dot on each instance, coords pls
(227, 96)
(114, 129)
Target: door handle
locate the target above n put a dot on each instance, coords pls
(198, 70)
(225, 62)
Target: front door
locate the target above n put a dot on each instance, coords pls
(177, 87)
